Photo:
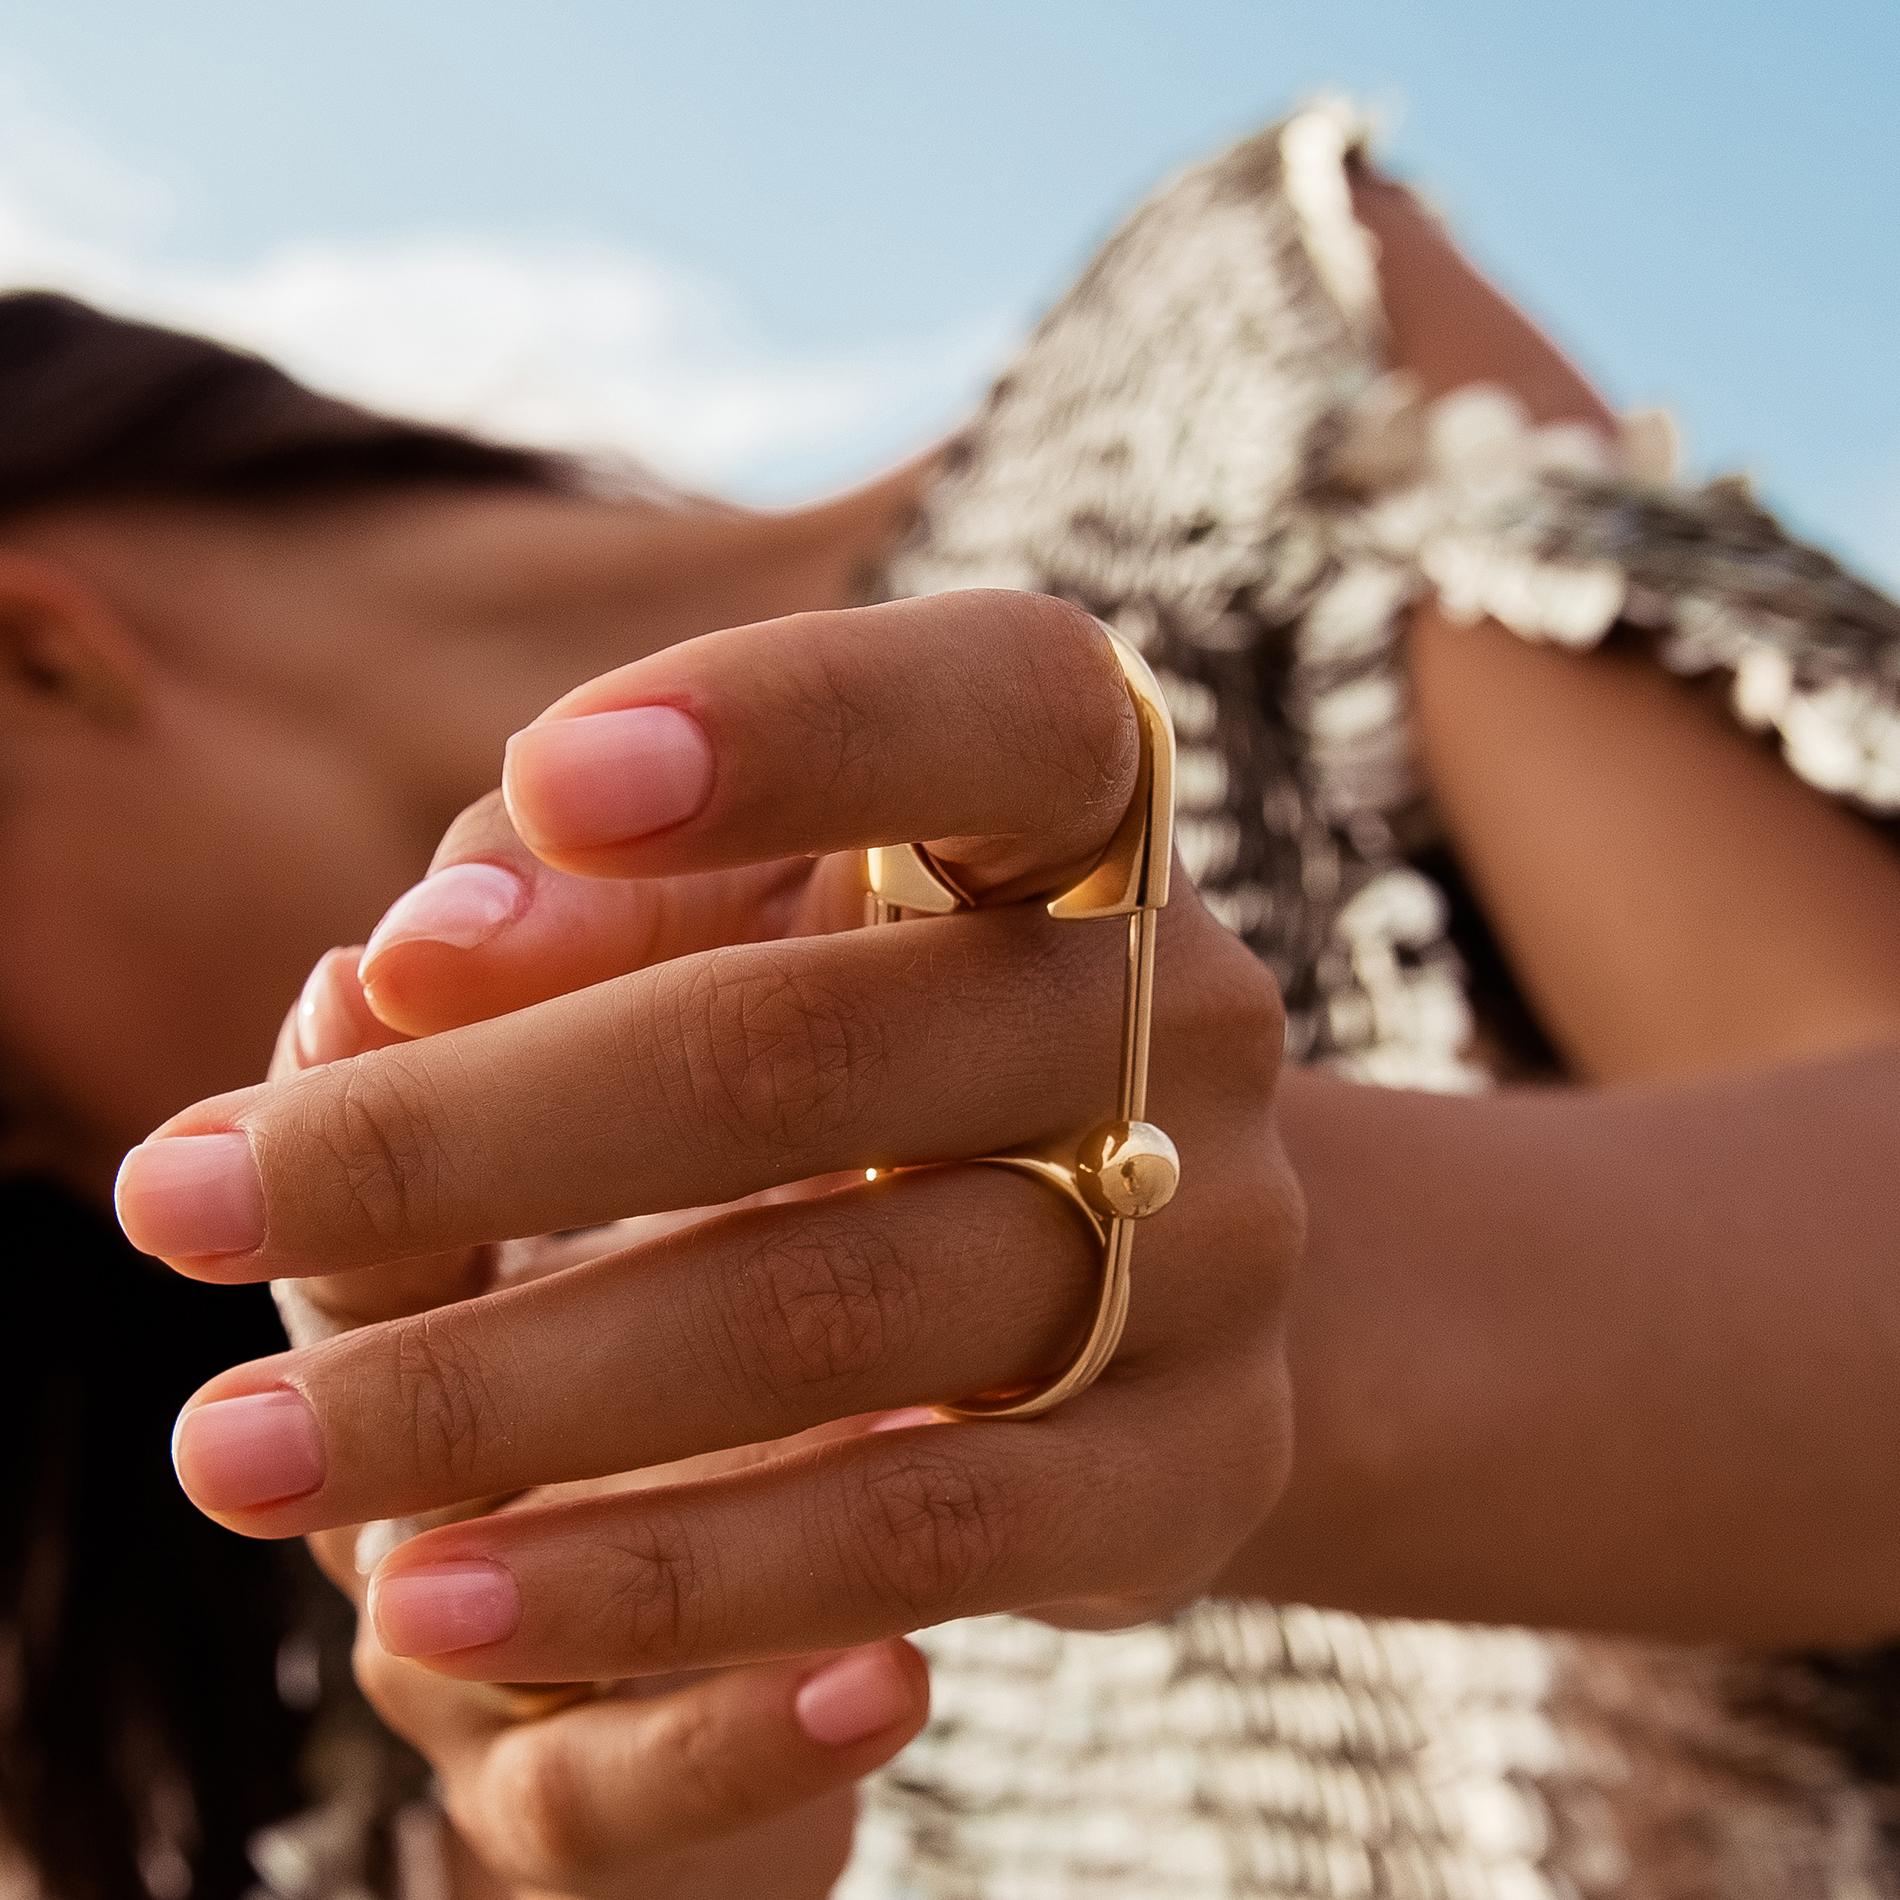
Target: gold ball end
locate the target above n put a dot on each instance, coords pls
(1128, 1170)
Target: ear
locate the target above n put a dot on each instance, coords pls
(65, 651)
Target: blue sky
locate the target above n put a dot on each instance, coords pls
(833, 215)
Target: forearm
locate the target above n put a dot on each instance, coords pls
(1618, 1358)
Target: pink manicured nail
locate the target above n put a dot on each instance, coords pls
(235, 1454)
(461, 907)
(604, 778)
(853, 1698)
(182, 1196)
(435, 1608)
(327, 1029)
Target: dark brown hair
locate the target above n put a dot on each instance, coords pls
(94, 405)
(142, 1736)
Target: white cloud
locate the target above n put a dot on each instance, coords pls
(578, 344)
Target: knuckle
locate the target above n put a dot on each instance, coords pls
(821, 1303)
(1259, 1017)
(1242, 1462)
(448, 1400)
(716, 1784)
(658, 1591)
(1253, 1217)
(1256, 1439)
(377, 1126)
(834, 722)
(1283, 1226)
(1075, 691)
(772, 1052)
(1224, 998)
(936, 1536)
(1261, 1230)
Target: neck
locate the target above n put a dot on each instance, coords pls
(418, 629)
(528, 600)
(585, 585)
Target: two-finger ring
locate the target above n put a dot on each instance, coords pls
(1127, 1168)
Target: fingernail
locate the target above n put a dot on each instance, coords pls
(853, 1698)
(435, 1608)
(903, 1421)
(327, 1030)
(235, 1454)
(375, 1541)
(604, 778)
(182, 1196)
(461, 907)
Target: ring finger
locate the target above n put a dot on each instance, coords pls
(747, 1328)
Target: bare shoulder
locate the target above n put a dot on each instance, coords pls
(1449, 324)
(1670, 897)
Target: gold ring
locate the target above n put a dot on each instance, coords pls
(1126, 1169)
(535, 1701)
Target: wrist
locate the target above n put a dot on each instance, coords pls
(1368, 1369)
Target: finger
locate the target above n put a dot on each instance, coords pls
(690, 1085)
(329, 1021)
(557, 1804)
(332, 1022)
(997, 726)
(845, 1543)
(744, 1330)
(348, 1553)
(491, 928)
(335, 1554)
(332, 1019)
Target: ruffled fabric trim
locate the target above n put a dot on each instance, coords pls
(1558, 535)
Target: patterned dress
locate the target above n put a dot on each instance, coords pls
(1202, 444)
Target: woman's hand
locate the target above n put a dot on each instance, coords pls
(996, 727)
(726, 1783)
(739, 1783)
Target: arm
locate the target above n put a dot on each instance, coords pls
(1620, 1358)
(1671, 898)
(1623, 1356)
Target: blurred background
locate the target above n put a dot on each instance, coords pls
(767, 245)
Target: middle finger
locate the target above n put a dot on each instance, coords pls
(689, 1085)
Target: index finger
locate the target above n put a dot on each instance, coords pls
(995, 726)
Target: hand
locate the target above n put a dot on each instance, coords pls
(996, 727)
(736, 1782)
(739, 1783)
